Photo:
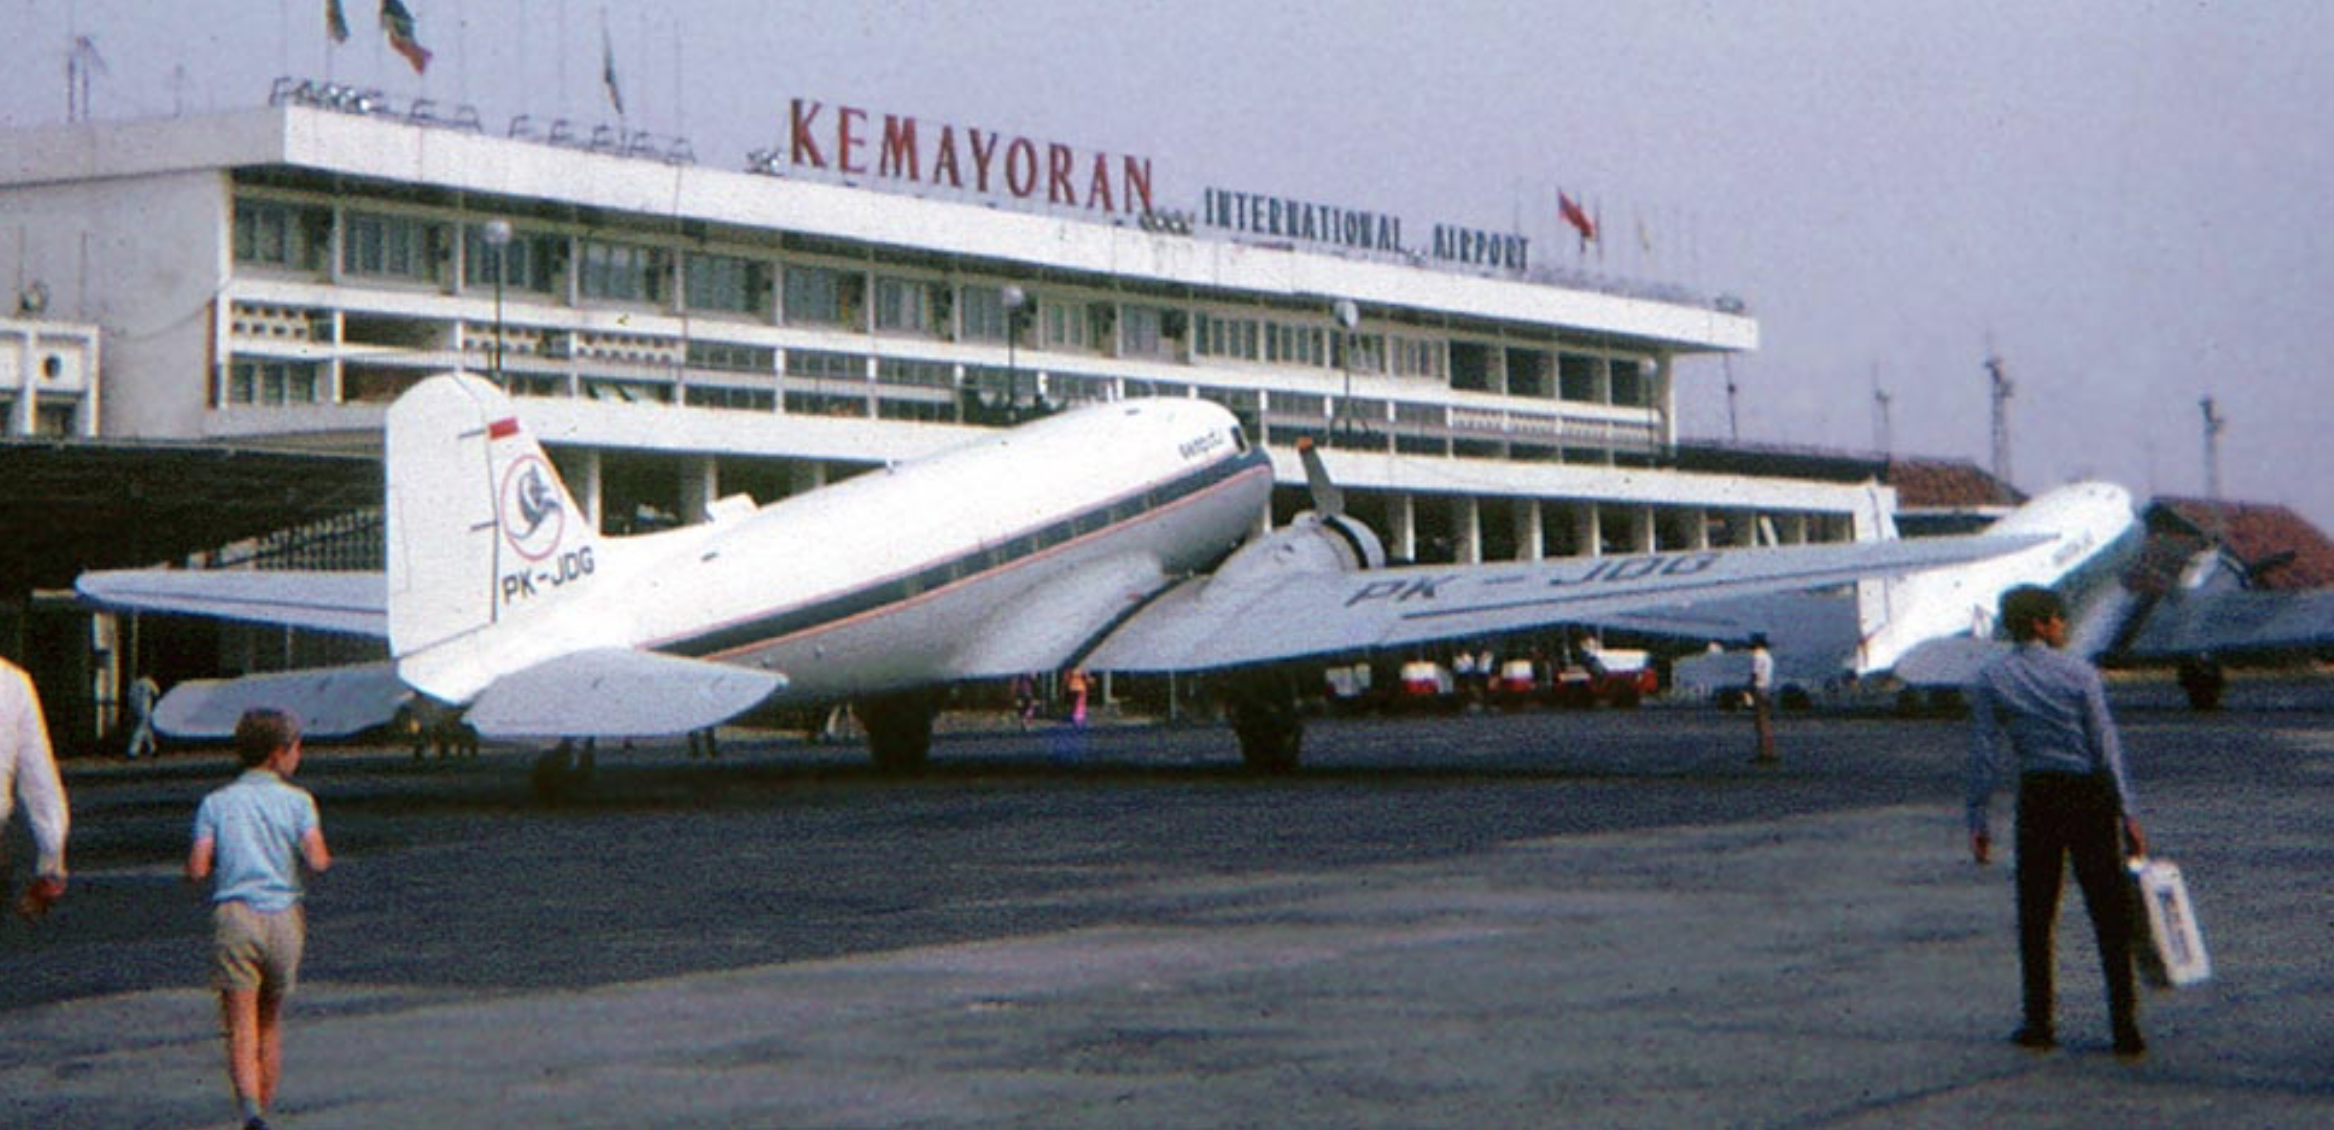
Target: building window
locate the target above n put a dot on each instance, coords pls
(1235, 338)
(531, 261)
(1417, 357)
(911, 306)
(1631, 389)
(622, 272)
(983, 309)
(731, 357)
(1360, 353)
(823, 296)
(282, 235)
(725, 283)
(1139, 332)
(1067, 325)
(1293, 345)
(743, 399)
(620, 390)
(395, 247)
(272, 383)
(819, 365)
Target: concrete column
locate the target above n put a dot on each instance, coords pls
(1586, 531)
(1528, 527)
(1791, 529)
(700, 485)
(1698, 530)
(1467, 529)
(1402, 526)
(1641, 529)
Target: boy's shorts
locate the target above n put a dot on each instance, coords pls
(256, 950)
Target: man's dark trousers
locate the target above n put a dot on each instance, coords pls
(2062, 815)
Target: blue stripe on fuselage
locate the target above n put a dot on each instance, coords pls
(986, 561)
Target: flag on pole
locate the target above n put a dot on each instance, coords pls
(1575, 215)
(608, 66)
(399, 24)
(335, 21)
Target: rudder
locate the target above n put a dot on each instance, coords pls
(478, 522)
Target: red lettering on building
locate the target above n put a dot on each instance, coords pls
(944, 160)
(1098, 185)
(899, 149)
(1021, 167)
(1057, 175)
(981, 156)
(1138, 183)
(846, 145)
(806, 142)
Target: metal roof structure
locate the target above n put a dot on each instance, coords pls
(70, 506)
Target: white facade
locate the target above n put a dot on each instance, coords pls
(279, 275)
(48, 373)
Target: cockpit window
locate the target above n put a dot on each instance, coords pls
(1239, 440)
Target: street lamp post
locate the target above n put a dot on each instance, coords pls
(1015, 299)
(1348, 316)
(498, 237)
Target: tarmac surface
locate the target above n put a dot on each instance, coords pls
(1565, 920)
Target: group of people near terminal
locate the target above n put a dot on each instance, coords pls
(2042, 708)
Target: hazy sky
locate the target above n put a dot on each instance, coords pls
(2130, 200)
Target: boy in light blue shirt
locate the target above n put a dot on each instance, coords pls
(252, 837)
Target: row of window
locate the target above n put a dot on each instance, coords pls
(829, 383)
(402, 248)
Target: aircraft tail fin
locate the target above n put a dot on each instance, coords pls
(479, 524)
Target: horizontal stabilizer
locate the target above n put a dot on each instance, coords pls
(331, 702)
(618, 693)
(330, 602)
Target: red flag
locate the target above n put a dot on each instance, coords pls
(399, 24)
(1575, 215)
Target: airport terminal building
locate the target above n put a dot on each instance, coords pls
(877, 288)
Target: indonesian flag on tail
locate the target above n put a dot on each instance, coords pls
(399, 24)
(1575, 215)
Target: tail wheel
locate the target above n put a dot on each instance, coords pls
(899, 730)
(1263, 710)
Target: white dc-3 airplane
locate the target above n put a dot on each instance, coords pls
(1116, 537)
(1932, 631)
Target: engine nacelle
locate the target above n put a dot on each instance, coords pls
(1309, 544)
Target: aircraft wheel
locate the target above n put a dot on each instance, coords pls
(899, 730)
(561, 771)
(2202, 681)
(1263, 709)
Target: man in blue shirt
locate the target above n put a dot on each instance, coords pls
(253, 835)
(2073, 801)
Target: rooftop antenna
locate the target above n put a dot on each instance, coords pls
(2213, 423)
(2001, 399)
(1880, 423)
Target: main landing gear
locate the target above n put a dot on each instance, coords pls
(1262, 707)
(899, 729)
(565, 768)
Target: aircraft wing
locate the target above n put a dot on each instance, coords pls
(1202, 624)
(332, 602)
(617, 693)
(331, 702)
(2236, 622)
